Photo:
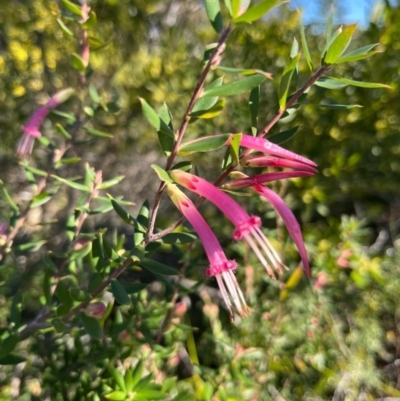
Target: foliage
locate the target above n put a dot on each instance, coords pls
(101, 294)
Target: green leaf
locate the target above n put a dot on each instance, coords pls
(330, 83)
(71, 184)
(8, 345)
(158, 268)
(304, 46)
(112, 182)
(339, 44)
(9, 199)
(285, 81)
(206, 103)
(254, 101)
(204, 144)
(63, 293)
(94, 94)
(228, 4)
(119, 293)
(58, 325)
(184, 166)
(358, 54)
(234, 147)
(70, 6)
(40, 199)
(236, 87)
(210, 113)
(154, 119)
(117, 396)
(30, 245)
(360, 84)
(256, 12)
(179, 238)
(284, 136)
(239, 7)
(214, 14)
(89, 111)
(166, 142)
(117, 376)
(91, 21)
(244, 71)
(133, 288)
(12, 359)
(33, 170)
(125, 216)
(64, 27)
(77, 62)
(137, 374)
(162, 174)
(96, 132)
(91, 326)
(94, 281)
(63, 131)
(335, 106)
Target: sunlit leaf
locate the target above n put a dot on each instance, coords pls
(304, 46)
(256, 12)
(236, 87)
(70, 6)
(154, 119)
(214, 14)
(204, 144)
(339, 45)
(359, 83)
(285, 81)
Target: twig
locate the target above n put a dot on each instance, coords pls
(181, 132)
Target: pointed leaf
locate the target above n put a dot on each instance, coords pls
(77, 62)
(64, 27)
(117, 376)
(63, 131)
(210, 113)
(125, 216)
(158, 268)
(205, 103)
(166, 142)
(112, 182)
(214, 14)
(339, 45)
(285, 81)
(360, 84)
(284, 136)
(347, 58)
(244, 71)
(72, 184)
(70, 6)
(236, 87)
(179, 238)
(256, 12)
(91, 326)
(12, 359)
(96, 132)
(162, 174)
(254, 101)
(154, 119)
(304, 46)
(9, 199)
(228, 4)
(234, 147)
(117, 396)
(335, 106)
(119, 293)
(204, 144)
(133, 288)
(330, 83)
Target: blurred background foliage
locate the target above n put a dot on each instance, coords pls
(335, 336)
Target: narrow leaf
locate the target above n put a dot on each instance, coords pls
(214, 14)
(335, 106)
(91, 326)
(63, 131)
(236, 87)
(285, 81)
(158, 268)
(119, 293)
(179, 238)
(330, 83)
(256, 12)
(64, 27)
(12, 359)
(347, 58)
(254, 101)
(154, 119)
(284, 136)
(162, 174)
(166, 142)
(71, 184)
(360, 84)
(304, 46)
(96, 132)
(210, 113)
(206, 103)
(9, 199)
(70, 6)
(244, 71)
(339, 45)
(204, 144)
(117, 396)
(112, 182)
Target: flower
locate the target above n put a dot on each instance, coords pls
(32, 128)
(220, 267)
(289, 220)
(245, 181)
(96, 309)
(247, 227)
(269, 161)
(265, 146)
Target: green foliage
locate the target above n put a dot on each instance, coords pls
(65, 243)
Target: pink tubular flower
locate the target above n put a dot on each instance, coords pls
(247, 227)
(269, 161)
(258, 179)
(289, 219)
(265, 146)
(220, 267)
(32, 128)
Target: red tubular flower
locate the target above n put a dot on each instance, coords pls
(220, 267)
(32, 128)
(269, 161)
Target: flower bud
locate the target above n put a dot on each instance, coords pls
(96, 309)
